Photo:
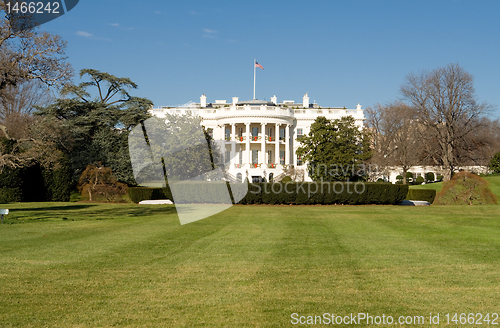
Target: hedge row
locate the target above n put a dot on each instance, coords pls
(427, 195)
(10, 195)
(311, 193)
(34, 183)
(138, 194)
(299, 193)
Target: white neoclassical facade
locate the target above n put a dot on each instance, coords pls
(260, 137)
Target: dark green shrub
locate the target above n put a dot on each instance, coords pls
(495, 163)
(440, 177)
(200, 192)
(399, 178)
(138, 194)
(286, 179)
(419, 180)
(10, 195)
(325, 193)
(299, 193)
(11, 178)
(429, 176)
(34, 186)
(57, 181)
(427, 195)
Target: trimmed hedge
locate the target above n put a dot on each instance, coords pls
(421, 194)
(138, 194)
(298, 193)
(311, 193)
(10, 195)
(34, 183)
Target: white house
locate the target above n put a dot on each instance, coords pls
(261, 135)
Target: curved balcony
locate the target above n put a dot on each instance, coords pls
(247, 111)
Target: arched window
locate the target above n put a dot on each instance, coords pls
(271, 176)
(239, 177)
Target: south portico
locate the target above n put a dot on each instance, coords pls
(258, 138)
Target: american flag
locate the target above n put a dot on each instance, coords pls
(258, 65)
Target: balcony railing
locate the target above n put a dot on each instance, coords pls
(258, 165)
(255, 138)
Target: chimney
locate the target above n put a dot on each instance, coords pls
(274, 100)
(305, 101)
(235, 100)
(203, 101)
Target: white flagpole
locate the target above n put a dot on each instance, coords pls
(254, 62)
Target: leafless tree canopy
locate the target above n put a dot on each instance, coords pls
(445, 104)
(394, 136)
(18, 103)
(30, 62)
(28, 54)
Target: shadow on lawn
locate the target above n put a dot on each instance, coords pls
(52, 208)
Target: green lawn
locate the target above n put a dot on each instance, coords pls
(97, 265)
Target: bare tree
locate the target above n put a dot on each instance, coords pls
(19, 102)
(445, 104)
(479, 146)
(28, 54)
(395, 138)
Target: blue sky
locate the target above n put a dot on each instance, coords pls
(341, 52)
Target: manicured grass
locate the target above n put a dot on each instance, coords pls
(100, 265)
(435, 185)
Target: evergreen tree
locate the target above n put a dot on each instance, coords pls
(99, 125)
(335, 150)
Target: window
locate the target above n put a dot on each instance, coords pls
(269, 156)
(228, 134)
(300, 132)
(282, 134)
(239, 177)
(255, 156)
(257, 179)
(299, 160)
(255, 132)
(228, 157)
(282, 157)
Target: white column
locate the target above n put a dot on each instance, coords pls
(247, 158)
(233, 144)
(287, 144)
(223, 148)
(277, 146)
(263, 143)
